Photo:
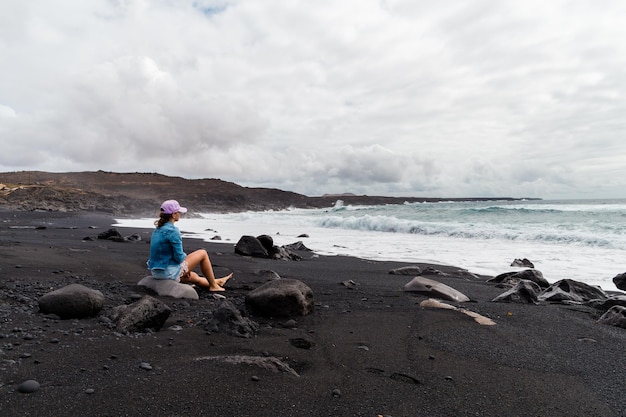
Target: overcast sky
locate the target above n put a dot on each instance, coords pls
(439, 98)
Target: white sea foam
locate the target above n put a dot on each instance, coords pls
(585, 241)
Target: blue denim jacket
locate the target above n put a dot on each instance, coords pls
(166, 247)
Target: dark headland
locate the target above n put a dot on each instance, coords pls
(368, 348)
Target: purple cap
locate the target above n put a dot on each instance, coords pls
(171, 207)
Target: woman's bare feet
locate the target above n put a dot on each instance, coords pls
(222, 281)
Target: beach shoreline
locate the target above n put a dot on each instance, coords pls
(374, 350)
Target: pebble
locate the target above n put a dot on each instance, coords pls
(146, 366)
(28, 386)
(90, 391)
(336, 393)
(255, 378)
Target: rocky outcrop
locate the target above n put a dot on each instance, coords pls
(435, 289)
(281, 298)
(568, 290)
(146, 314)
(74, 301)
(263, 247)
(512, 278)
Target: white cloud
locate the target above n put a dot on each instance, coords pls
(450, 98)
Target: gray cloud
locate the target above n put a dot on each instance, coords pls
(380, 97)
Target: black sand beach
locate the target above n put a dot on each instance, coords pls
(373, 350)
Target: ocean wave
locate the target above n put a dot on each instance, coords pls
(472, 231)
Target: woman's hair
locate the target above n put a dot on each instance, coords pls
(163, 218)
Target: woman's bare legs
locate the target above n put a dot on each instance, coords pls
(201, 257)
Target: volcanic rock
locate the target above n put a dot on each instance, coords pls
(435, 289)
(147, 313)
(572, 291)
(73, 301)
(615, 316)
(620, 281)
(524, 292)
(512, 278)
(228, 319)
(281, 298)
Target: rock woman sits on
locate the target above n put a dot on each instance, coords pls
(169, 261)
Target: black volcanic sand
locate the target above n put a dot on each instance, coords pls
(372, 346)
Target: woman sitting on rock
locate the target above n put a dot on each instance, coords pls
(167, 259)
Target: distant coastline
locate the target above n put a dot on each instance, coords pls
(139, 193)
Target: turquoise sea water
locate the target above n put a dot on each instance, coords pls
(578, 239)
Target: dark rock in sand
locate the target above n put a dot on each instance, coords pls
(524, 292)
(615, 316)
(281, 298)
(512, 278)
(111, 234)
(147, 313)
(620, 281)
(569, 290)
(282, 253)
(169, 288)
(73, 301)
(250, 246)
(297, 246)
(266, 241)
(228, 319)
(28, 386)
(406, 270)
(435, 289)
(525, 263)
(271, 363)
(268, 275)
(604, 305)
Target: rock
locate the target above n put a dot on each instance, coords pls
(268, 363)
(169, 288)
(266, 241)
(147, 313)
(111, 234)
(297, 246)
(28, 386)
(268, 275)
(615, 316)
(280, 252)
(524, 292)
(522, 263)
(604, 305)
(73, 301)
(512, 278)
(620, 281)
(228, 319)
(250, 246)
(435, 289)
(281, 298)
(480, 319)
(406, 270)
(568, 290)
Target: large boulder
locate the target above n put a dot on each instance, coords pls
(251, 246)
(228, 319)
(615, 316)
(435, 289)
(281, 298)
(569, 290)
(169, 288)
(512, 278)
(73, 301)
(524, 292)
(620, 281)
(146, 314)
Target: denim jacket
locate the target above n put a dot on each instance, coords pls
(166, 247)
